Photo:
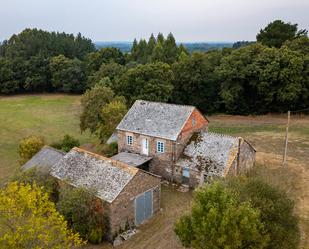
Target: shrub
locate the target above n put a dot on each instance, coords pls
(83, 212)
(110, 150)
(66, 144)
(29, 220)
(219, 220)
(29, 146)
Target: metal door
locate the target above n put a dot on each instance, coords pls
(148, 204)
(143, 207)
(139, 209)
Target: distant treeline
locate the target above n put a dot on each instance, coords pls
(191, 47)
(270, 75)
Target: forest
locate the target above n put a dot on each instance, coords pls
(269, 75)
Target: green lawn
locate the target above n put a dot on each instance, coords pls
(50, 116)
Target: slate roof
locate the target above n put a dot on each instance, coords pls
(44, 159)
(131, 159)
(156, 119)
(210, 151)
(82, 168)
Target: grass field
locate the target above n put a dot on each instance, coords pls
(54, 115)
(50, 116)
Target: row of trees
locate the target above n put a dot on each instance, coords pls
(37, 60)
(252, 78)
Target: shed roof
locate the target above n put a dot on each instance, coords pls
(131, 159)
(156, 119)
(82, 168)
(44, 159)
(211, 151)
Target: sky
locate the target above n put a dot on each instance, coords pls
(124, 20)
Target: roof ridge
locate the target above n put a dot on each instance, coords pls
(52, 148)
(222, 135)
(161, 102)
(113, 162)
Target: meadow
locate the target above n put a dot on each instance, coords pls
(52, 116)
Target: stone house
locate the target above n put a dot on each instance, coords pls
(157, 134)
(173, 141)
(128, 195)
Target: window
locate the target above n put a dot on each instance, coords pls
(129, 140)
(160, 146)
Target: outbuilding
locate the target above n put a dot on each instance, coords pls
(129, 195)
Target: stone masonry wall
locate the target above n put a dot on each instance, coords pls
(122, 209)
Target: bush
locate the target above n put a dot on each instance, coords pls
(219, 219)
(276, 210)
(110, 150)
(28, 147)
(66, 144)
(83, 212)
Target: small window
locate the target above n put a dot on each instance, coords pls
(160, 146)
(129, 140)
(193, 122)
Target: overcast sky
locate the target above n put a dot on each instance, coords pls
(123, 20)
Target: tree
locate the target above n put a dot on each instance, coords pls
(276, 210)
(111, 114)
(111, 70)
(219, 220)
(40, 177)
(67, 74)
(8, 82)
(151, 81)
(195, 82)
(170, 49)
(83, 212)
(28, 147)
(158, 53)
(277, 32)
(150, 46)
(28, 219)
(38, 74)
(91, 104)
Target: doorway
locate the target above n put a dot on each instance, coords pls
(145, 146)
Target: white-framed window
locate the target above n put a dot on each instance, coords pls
(160, 147)
(129, 139)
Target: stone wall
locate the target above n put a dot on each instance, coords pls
(136, 147)
(122, 209)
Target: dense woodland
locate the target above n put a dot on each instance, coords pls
(270, 75)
